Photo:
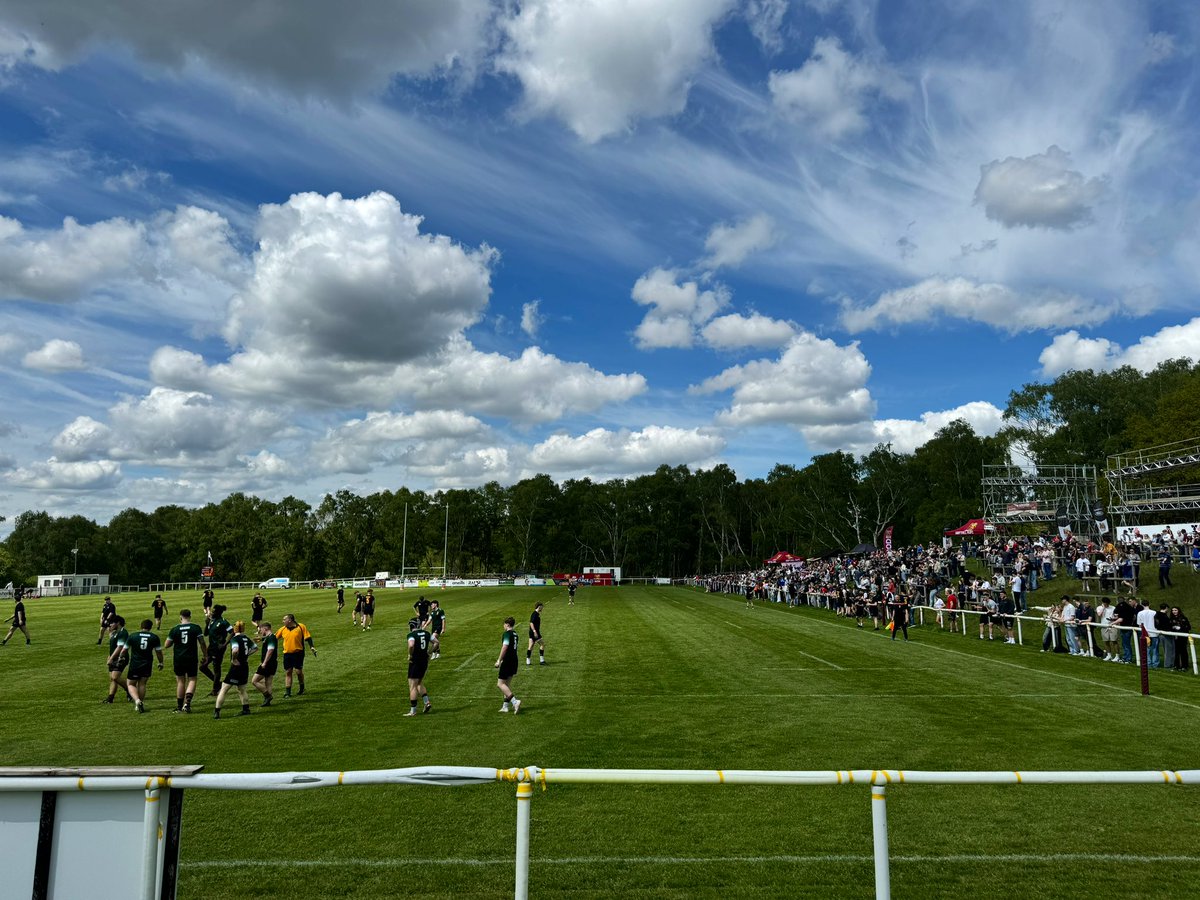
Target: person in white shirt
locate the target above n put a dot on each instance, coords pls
(1081, 570)
(1108, 634)
(1068, 619)
(939, 605)
(1145, 619)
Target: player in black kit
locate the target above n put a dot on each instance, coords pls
(535, 636)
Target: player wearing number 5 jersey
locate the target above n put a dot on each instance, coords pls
(419, 641)
(142, 646)
(187, 640)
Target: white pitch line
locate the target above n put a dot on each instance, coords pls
(848, 858)
(466, 662)
(818, 659)
(727, 622)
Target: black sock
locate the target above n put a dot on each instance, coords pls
(179, 703)
(187, 699)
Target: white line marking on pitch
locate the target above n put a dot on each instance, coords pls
(855, 858)
(727, 622)
(466, 662)
(818, 659)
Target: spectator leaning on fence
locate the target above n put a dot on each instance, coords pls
(1145, 620)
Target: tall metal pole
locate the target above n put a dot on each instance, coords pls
(404, 547)
(883, 878)
(445, 545)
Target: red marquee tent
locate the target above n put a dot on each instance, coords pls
(783, 557)
(975, 527)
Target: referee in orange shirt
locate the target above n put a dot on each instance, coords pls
(294, 635)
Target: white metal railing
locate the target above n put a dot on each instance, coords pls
(525, 778)
(1042, 622)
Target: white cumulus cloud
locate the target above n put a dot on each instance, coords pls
(677, 308)
(729, 245)
(1069, 351)
(814, 382)
(605, 452)
(938, 299)
(599, 65)
(60, 266)
(58, 475)
(56, 355)
(755, 330)
(356, 279)
(1037, 191)
(830, 93)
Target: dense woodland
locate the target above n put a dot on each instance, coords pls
(674, 522)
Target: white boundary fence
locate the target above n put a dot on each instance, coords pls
(1021, 621)
(1040, 623)
(159, 857)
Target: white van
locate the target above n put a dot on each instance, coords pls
(275, 583)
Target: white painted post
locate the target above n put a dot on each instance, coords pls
(883, 879)
(524, 795)
(921, 609)
(1137, 645)
(150, 842)
(1020, 636)
(1091, 646)
(1192, 653)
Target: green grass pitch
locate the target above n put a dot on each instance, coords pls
(641, 677)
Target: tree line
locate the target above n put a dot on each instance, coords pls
(673, 522)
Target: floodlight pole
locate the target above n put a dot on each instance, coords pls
(446, 545)
(404, 547)
(75, 553)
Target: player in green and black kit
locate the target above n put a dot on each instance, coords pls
(188, 641)
(507, 664)
(117, 638)
(418, 663)
(142, 646)
(264, 677)
(219, 634)
(437, 626)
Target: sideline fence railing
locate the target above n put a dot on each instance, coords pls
(160, 830)
(1021, 621)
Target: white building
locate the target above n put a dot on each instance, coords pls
(66, 585)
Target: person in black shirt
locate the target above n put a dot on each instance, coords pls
(18, 619)
(240, 648)
(158, 609)
(207, 604)
(419, 641)
(107, 613)
(422, 608)
(341, 598)
(507, 664)
(898, 607)
(258, 603)
(535, 636)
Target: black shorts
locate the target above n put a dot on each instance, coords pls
(142, 670)
(238, 675)
(358, 607)
(187, 668)
(294, 660)
(534, 637)
(418, 667)
(267, 671)
(508, 670)
(118, 666)
(216, 654)
(985, 619)
(256, 616)
(1006, 621)
(368, 609)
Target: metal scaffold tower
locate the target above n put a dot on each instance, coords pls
(1012, 495)
(1130, 477)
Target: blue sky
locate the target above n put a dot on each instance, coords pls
(291, 247)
